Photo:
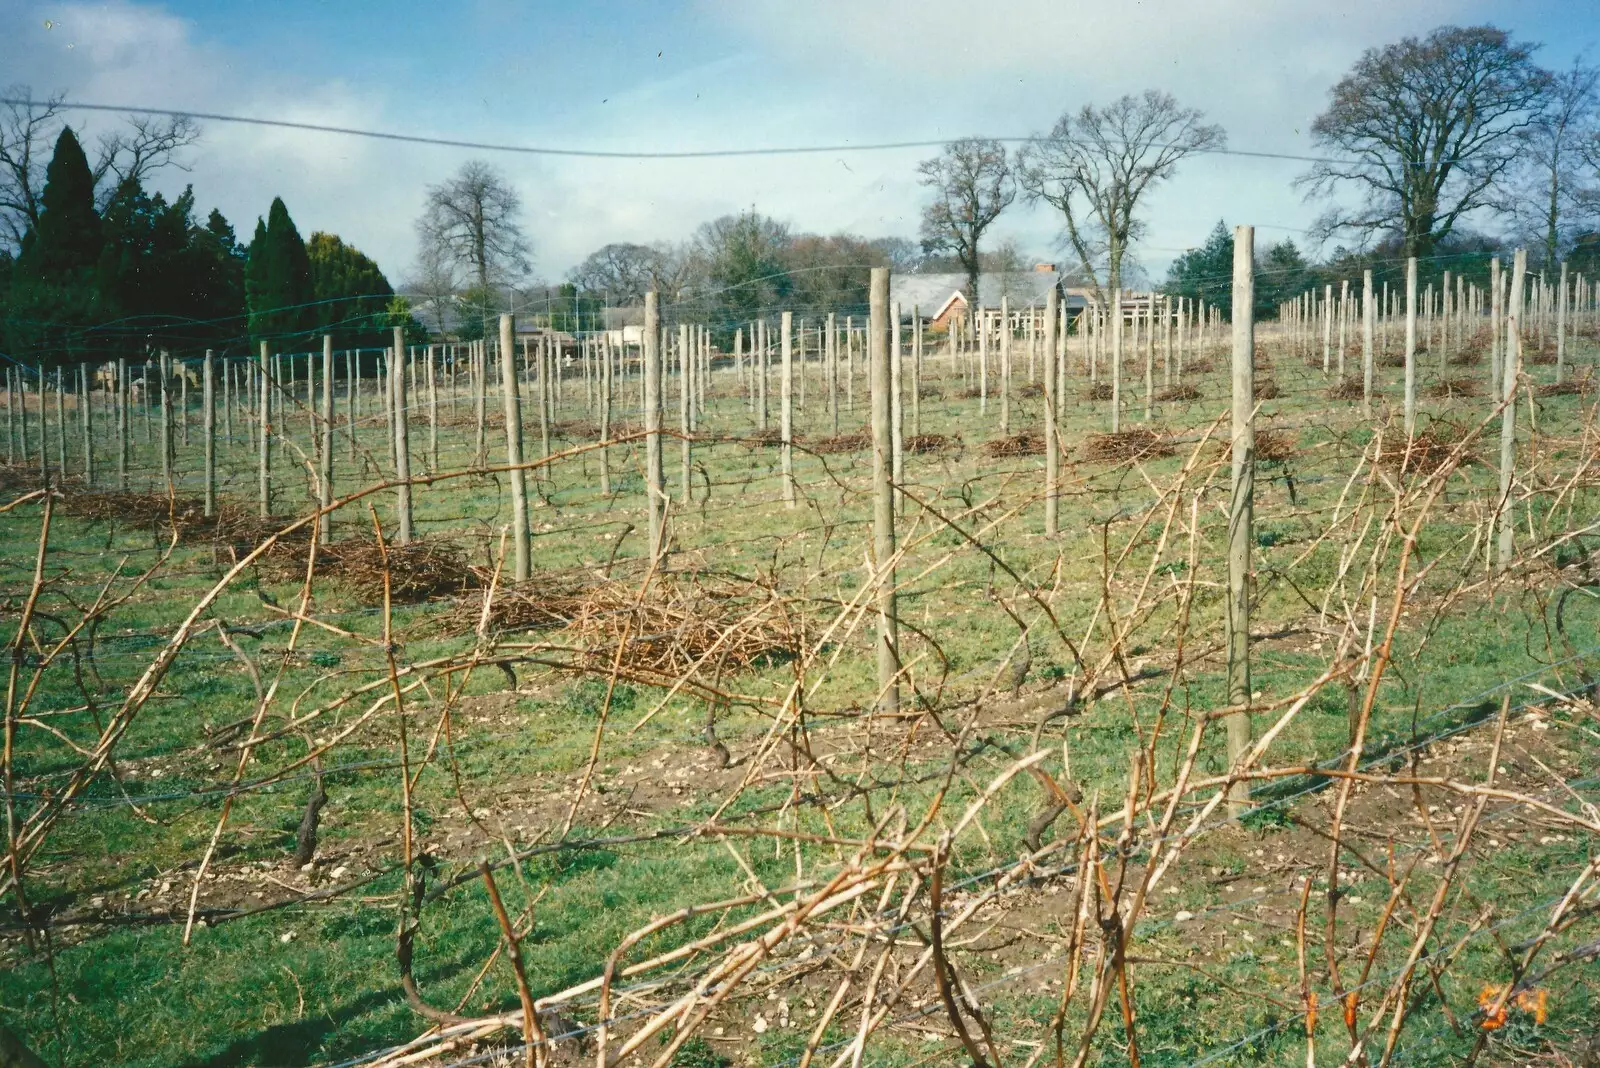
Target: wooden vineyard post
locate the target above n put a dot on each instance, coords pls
(982, 326)
(1005, 362)
(548, 361)
(786, 406)
(832, 373)
(1116, 360)
(1344, 322)
(480, 453)
(1504, 521)
(1561, 324)
(433, 409)
(916, 371)
(402, 438)
(86, 421)
(121, 409)
(1367, 313)
(896, 403)
(521, 561)
(655, 488)
(686, 412)
(607, 384)
(264, 428)
(883, 540)
(759, 333)
(1241, 509)
(208, 423)
(164, 438)
(325, 476)
(1496, 291)
(1052, 461)
(1411, 348)
(1149, 356)
(61, 424)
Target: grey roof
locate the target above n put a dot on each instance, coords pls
(928, 292)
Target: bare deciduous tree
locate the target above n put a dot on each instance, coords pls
(1556, 192)
(1425, 130)
(147, 144)
(28, 130)
(626, 272)
(972, 184)
(1094, 167)
(474, 221)
(435, 280)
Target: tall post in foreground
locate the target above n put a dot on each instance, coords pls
(1052, 461)
(786, 409)
(1496, 294)
(519, 487)
(1561, 325)
(325, 476)
(1367, 310)
(264, 403)
(1116, 360)
(164, 377)
(121, 412)
(1241, 506)
(208, 400)
(402, 437)
(1508, 415)
(86, 420)
(686, 412)
(883, 494)
(897, 424)
(655, 479)
(1411, 348)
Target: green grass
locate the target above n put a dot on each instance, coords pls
(242, 994)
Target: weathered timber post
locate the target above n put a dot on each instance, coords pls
(521, 552)
(833, 373)
(655, 481)
(786, 406)
(121, 405)
(916, 371)
(982, 326)
(1052, 459)
(1368, 311)
(208, 402)
(61, 424)
(1116, 360)
(883, 540)
(1005, 361)
(760, 332)
(264, 421)
(607, 382)
(479, 373)
(1344, 322)
(86, 421)
(896, 402)
(1505, 522)
(325, 476)
(1149, 356)
(433, 406)
(402, 436)
(1496, 308)
(686, 414)
(1411, 348)
(1561, 324)
(164, 437)
(1241, 508)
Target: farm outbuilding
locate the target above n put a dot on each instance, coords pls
(942, 297)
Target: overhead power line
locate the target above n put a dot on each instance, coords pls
(590, 153)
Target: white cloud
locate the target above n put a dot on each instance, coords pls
(773, 73)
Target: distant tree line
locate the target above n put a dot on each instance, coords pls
(93, 265)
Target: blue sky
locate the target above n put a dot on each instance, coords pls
(714, 74)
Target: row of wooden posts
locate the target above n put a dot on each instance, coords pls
(259, 387)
